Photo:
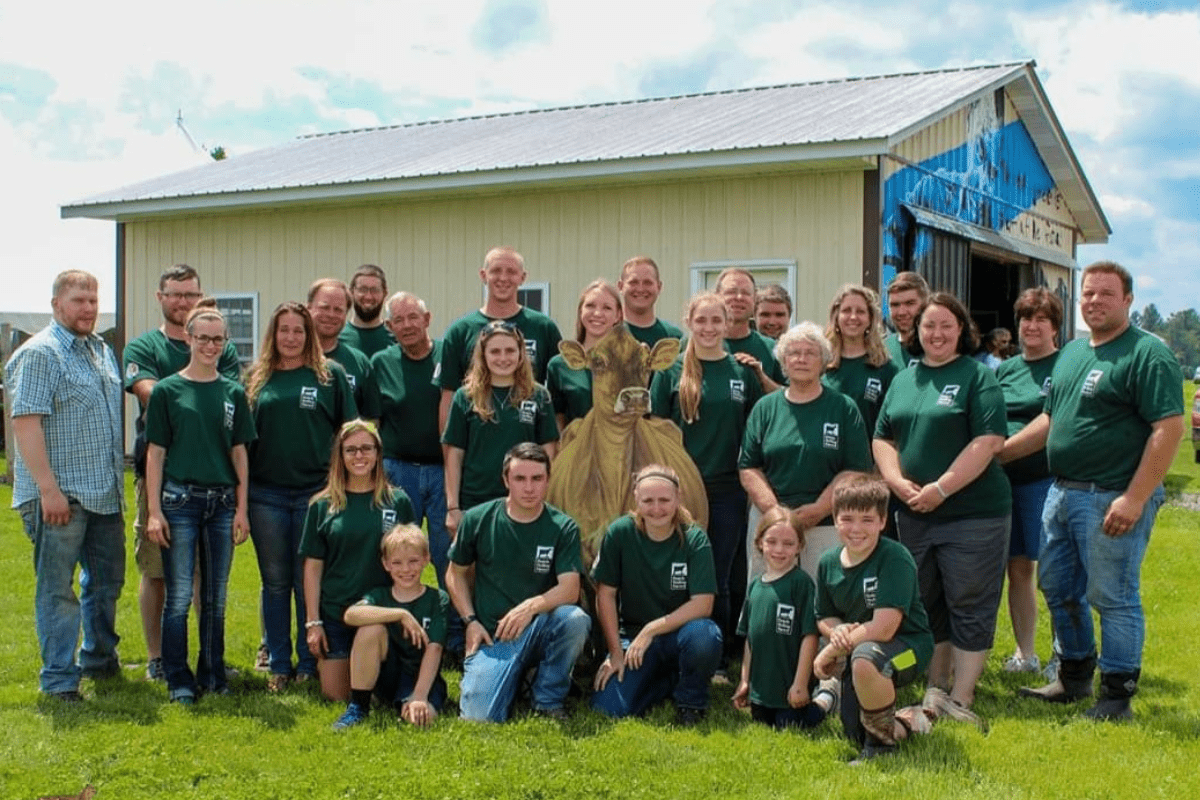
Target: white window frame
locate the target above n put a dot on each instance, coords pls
(254, 324)
(531, 286)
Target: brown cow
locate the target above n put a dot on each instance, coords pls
(592, 479)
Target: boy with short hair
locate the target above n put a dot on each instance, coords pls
(869, 608)
(401, 632)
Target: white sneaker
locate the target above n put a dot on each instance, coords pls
(1017, 664)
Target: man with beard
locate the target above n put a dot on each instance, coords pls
(148, 359)
(328, 302)
(365, 331)
(736, 287)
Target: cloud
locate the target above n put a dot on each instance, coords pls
(507, 25)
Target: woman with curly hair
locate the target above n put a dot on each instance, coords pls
(860, 366)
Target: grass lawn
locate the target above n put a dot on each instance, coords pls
(128, 742)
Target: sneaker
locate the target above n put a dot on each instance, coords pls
(184, 700)
(833, 688)
(277, 682)
(353, 715)
(557, 714)
(262, 661)
(1017, 664)
(1050, 673)
(939, 702)
(155, 671)
(72, 696)
(304, 677)
(914, 719)
(721, 678)
(689, 717)
(872, 750)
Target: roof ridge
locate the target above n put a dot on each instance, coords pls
(662, 98)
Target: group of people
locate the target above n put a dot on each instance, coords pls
(354, 427)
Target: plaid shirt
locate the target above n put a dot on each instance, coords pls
(73, 383)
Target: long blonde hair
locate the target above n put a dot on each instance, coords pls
(478, 385)
(877, 354)
(335, 486)
(692, 376)
(268, 357)
(599, 283)
(682, 519)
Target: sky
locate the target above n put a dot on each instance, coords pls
(90, 93)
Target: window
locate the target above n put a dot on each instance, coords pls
(765, 271)
(241, 317)
(534, 295)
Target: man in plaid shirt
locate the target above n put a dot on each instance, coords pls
(64, 388)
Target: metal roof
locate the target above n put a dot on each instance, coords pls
(837, 121)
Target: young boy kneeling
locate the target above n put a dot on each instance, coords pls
(869, 608)
(401, 632)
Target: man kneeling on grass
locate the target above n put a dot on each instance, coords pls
(520, 610)
(869, 607)
(401, 631)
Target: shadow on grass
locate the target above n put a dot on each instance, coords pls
(1177, 483)
(111, 700)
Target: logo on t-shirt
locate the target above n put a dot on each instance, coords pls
(131, 370)
(831, 436)
(229, 410)
(350, 380)
(873, 390)
(1045, 387)
(542, 559)
(785, 618)
(914, 361)
(531, 350)
(949, 395)
(437, 371)
(308, 397)
(528, 412)
(1090, 383)
(737, 391)
(870, 589)
(387, 519)
(679, 576)
(426, 622)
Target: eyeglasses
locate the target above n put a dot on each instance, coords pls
(204, 338)
(367, 289)
(190, 296)
(359, 450)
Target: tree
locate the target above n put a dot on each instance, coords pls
(1151, 320)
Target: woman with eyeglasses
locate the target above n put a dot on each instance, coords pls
(198, 423)
(345, 523)
(300, 400)
(497, 407)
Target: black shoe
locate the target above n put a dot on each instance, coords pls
(690, 717)
(872, 749)
(557, 714)
(1116, 688)
(1074, 682)
(73, 696)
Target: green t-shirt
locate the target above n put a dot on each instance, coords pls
(485, 443)
(199, 423)
(514, 560)
(570, 389)
(431, 609)
(900, 356)
(652, 578)
(801, 447)
(1102, 403)
(361, 378)
(348, 544)
(296, 417)
(931, 414)
(458, 345)
(885, 579)
(776, 617)
(408, 403)
(862, 383)
(728, 391)
(367, 341)
(762, 348)
(1025, 385)
(649, 335)
(152, 355)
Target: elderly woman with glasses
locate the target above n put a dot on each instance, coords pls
(798, 441)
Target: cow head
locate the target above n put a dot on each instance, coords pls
(621, 367)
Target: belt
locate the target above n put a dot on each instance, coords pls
(1086, 486)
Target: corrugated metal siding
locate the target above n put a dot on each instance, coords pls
(945, 261)
(748, 119)
(568, 238)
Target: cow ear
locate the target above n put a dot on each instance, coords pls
(572, 353)
(664, 353)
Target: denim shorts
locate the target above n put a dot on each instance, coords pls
(339, 638)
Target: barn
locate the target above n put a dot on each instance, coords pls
(964, 175)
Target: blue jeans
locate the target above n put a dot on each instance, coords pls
(727, 533)
(97, 543)
(425, 486)
(679, 664)
(492, 674)
(201, 524)
(1081, 568)
(1029, 500)
(276, 523)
